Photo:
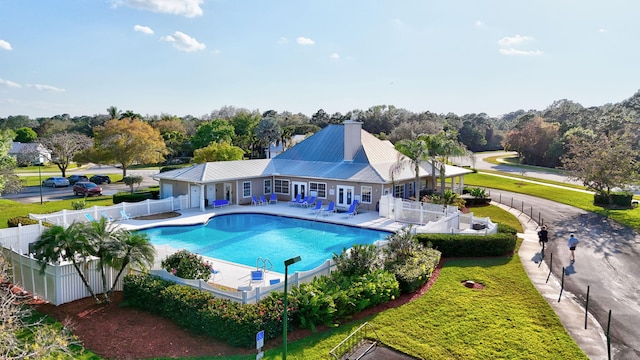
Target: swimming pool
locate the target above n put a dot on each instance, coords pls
(243, 238)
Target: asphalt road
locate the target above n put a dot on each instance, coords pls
(607, 261)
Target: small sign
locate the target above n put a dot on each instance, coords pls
(260, 340)
(260, 355)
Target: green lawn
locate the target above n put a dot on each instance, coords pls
(9, 208)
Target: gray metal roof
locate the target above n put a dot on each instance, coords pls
(320, 156)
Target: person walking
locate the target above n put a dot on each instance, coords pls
(543, 236)
(572, 243)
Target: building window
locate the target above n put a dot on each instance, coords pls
(246, 189)
(398, 191)
(365, 194)
(281, 186)
(410, 189)
(320, 188)
(267, 186)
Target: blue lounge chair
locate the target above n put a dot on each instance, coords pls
(273, 198)
(330, 209)
(255, 201)
(106, 216)
(124, 215)
(303, 201)
(309, 202)
(263, 200)
(257, 276)
(220, 203)
(296, 200)
(352, 209)
(89, 217)
(318, 207)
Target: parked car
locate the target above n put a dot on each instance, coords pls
(86, 188)
(99, 179)
(75, 178)
(55, 182)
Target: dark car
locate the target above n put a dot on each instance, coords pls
(76, 178)
(86, 188)
(99, 179)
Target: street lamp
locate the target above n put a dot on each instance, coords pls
(40, 176)
(284, 326)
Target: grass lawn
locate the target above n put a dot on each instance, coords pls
(10, 208)
(34, 180)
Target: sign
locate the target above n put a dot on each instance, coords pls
(260, 339)
(260, 355)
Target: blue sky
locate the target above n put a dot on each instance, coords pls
(189, 57)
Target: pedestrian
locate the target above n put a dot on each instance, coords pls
(572, 243)
(543, 236)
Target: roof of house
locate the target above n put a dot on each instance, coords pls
(320, 156)
(27, 148)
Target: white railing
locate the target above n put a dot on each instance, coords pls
(18, 238)
(460, 224)
(143, 208)
(413, 212)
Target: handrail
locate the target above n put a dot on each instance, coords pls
(354, 341)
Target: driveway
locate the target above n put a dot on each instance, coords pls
(607, 261)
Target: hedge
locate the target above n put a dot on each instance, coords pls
(135, 197)
(454, 245)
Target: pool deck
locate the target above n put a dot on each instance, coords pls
(236, 276)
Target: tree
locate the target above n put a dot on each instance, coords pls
(533, 142)
(218, 152)
(126, 142)
(9, 181)
(25, 135)
(416, 150)
(132, 181)
(440, 147)
(268, 131)
(114, 113)
(217, 130)
(602, 163)
(64, 146)
(131, 248)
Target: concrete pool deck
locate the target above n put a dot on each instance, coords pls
(237, 276)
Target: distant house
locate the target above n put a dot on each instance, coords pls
(30, 153)
(339, 163)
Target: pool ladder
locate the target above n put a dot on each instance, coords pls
(264, 264)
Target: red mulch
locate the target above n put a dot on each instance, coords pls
(115, 332)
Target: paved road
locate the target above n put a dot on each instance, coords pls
(607, 260)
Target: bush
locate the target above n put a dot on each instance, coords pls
(358, 260)
(132, 198)
(24, 220)
(416, 270)
(79, 205)
(454, 245)
(186, 265)
(620, 199)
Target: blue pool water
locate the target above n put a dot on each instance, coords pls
(243, 238)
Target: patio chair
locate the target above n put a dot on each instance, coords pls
(255, 201)
(273, 198)
(89, 217)
(263, 200)
(107, 217)
(352, 209)
(330, 209)
(296, 200)
(318, 207)
(257, 276)
(310, 201)
(303, 201)
(124, 215)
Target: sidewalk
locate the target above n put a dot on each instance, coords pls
(571, 313)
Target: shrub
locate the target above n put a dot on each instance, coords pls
(314, 305)
(132, 180)
(620, 199)
(79, 205)
(454, 245)
(358, 260)
(186, 265)
(143, 292)
(24, 220)
(132, 198)
(416, 270)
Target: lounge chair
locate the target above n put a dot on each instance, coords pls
(303, 201)
(257, 276)
(318, 207)
(124, 215)
(274, 281)
(309, 202)
(255, 201)
(296, 200)
(273, 198)
(352, 209)
(89, 217)
(220, 203)
(107, 217)
(330, 209)
(263, 200)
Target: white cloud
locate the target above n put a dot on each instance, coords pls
(283, 40)
(184, 42)
(603, 30)
(9, 83)
(335, 56)
(143, 29)
(479, 24)
(47, 88)
(188, 8)
(4, 45)
(305, 41)
(512, 51)
(514, 40)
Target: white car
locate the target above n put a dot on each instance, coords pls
(55, 182)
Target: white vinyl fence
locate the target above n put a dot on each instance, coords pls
(143, 208)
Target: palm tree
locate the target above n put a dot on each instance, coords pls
(102, 238)
(268, 131)
(113, 112)
(131, 249)
(416, 150)
(68, 244)
(440, 147)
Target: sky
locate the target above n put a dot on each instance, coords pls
(190, 57)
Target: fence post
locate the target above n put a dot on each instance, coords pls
(511, 202)
(522, 207)
(550, 266)
(561, 285)
(586, 309)
(609, 337)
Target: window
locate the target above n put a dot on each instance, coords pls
(281, 186)
(365, 194)
(320, 188)
(246, 189)
(267, 186)
(410, 189)
(398, 191)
